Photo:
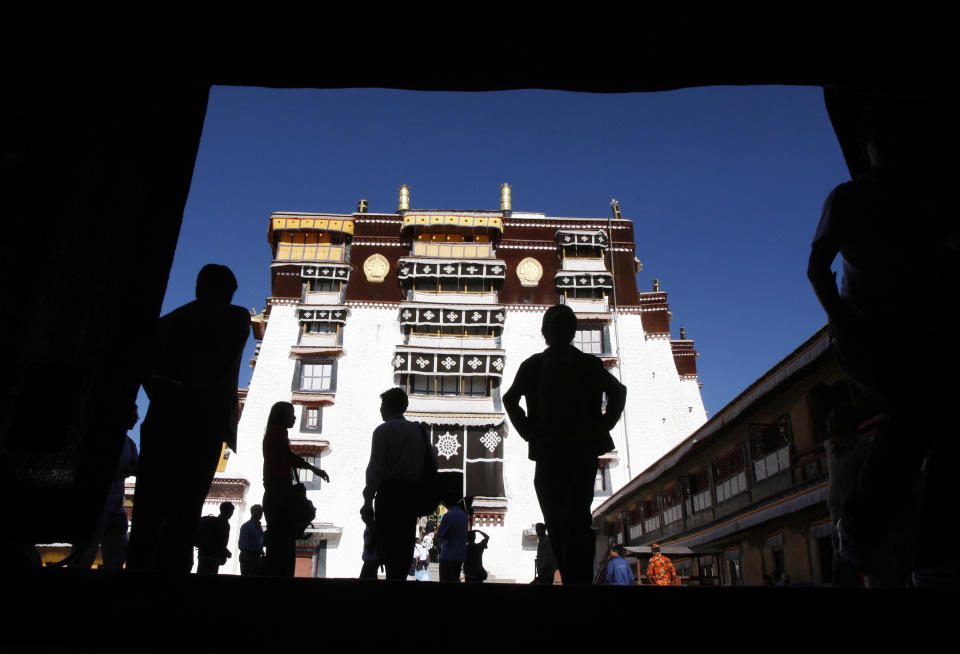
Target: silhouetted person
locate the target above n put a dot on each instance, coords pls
(397, 453)
(191, 380)
(212, 538)
(250, 543)
(279, 500)
(452, 534)
(846, 452)
(894, 227)
(619, 572)
(110, 534)
(567, 430)
(546, 562)
(473, 570)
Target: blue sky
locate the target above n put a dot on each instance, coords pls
(724, 185)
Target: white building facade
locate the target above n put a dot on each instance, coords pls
(447, 304)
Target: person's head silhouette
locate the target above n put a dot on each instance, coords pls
(216, 282)
(393, 402)
(541, 530)
(452, 498)
(256, 512)
(226, 510)
(559, 325)
(282, 414)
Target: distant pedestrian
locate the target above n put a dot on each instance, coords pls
(453, 537)
(212, 539)
(421, 555)
(619, 572)
(473, 571)
(281, 504)
(251, 543)
(660, 570)
(546, 563)
(399, 450)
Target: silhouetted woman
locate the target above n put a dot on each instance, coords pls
(279, 463)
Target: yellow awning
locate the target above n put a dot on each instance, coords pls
(428, 220)
(310, 224)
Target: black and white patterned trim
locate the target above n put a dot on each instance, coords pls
(447, 362)
(583, 279)
(459, 316)
(434, 268)
(591, 238)
(339, 272)
(324, 314)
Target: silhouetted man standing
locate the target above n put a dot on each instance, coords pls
(397, 454)
(618, 569)
(191, 379)
(250, 543)
(212, 539)
(902, 210)
(567, 430)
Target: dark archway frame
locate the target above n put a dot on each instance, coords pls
(103, 119)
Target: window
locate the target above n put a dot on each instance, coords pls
(324, 285)
(672, 511)
(312, 419)
(651, 515)
(453, 285)
(582, 252)
(315, 327)
(700, 491)
(421, 385)
(589, 340)
(450, 330)
(770, 448)
(730, 474)
(602, 486)
(735, 572)
(316, 376)
(585, 293)
(476, 386)
(447, 385)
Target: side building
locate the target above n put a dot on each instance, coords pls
(447, 304)
(745, 495)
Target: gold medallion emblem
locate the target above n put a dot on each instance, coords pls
(375, 268)
(529, 271)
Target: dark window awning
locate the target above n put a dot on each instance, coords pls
(586, 237)
(452, 316)
(448, 362)
(327, 271)
(324, 314)
(451, 268)
(585, 279)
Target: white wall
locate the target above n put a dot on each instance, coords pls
(365, 371)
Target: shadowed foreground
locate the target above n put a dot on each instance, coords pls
(74, 610)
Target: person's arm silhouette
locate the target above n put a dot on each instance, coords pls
(827, 243)
(511, 401)
(616, 400)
